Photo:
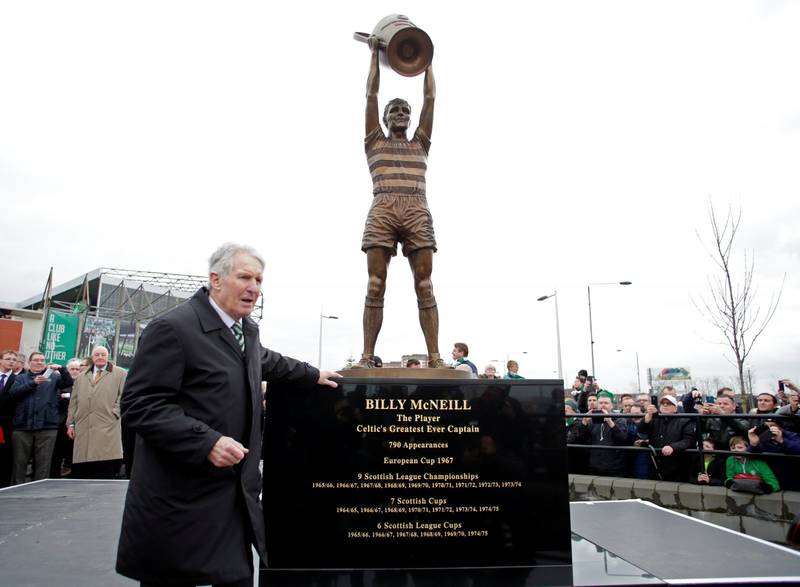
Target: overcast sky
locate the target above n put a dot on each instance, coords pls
(573, 143)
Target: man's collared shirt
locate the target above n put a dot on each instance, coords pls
(227, 320)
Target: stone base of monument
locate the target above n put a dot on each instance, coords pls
(417, 482)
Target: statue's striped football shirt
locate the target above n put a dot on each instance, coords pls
(397, 166)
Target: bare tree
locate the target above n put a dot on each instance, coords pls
(707, 384)
(713, 383)
(731, 304)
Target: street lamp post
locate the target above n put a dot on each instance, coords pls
(591, 333)
(321, 318)
(554, 295)
(638, 376)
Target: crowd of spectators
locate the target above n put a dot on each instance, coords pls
(461, 362)
(65, 421)
(724, 447)
(58, 421)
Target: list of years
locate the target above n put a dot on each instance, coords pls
(457, 509)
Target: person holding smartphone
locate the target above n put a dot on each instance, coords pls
(767, 403)
(602, 429)
(719, 430)
(792, 407)
(36, 416)
(580, 381)
(771, 437)
(587, 397)
(712, 468)
(669, 436)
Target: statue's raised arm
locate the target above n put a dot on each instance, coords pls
(399, 212)
(373, 84)
(429, 89)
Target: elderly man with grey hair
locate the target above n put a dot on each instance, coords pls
(193, 398)
(93, 419)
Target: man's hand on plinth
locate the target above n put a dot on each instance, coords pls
(326, 378)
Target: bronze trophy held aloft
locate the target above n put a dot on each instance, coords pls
(408, 50)
(399, 212)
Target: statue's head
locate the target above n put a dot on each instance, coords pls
(397, 114)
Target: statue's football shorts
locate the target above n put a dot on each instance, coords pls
(399, 218)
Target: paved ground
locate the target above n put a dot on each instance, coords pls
(63, 533)
(56, 533)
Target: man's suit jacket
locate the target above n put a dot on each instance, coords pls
(189, 384)
(7, 405)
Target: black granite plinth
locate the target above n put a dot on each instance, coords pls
(384, 481)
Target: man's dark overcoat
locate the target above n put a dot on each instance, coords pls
(678, 433)
(186, 520)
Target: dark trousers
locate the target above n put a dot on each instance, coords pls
(38, 444)
(128, 446)
(62, 453)
(247, 582)
(6, 457)
(95, 469)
